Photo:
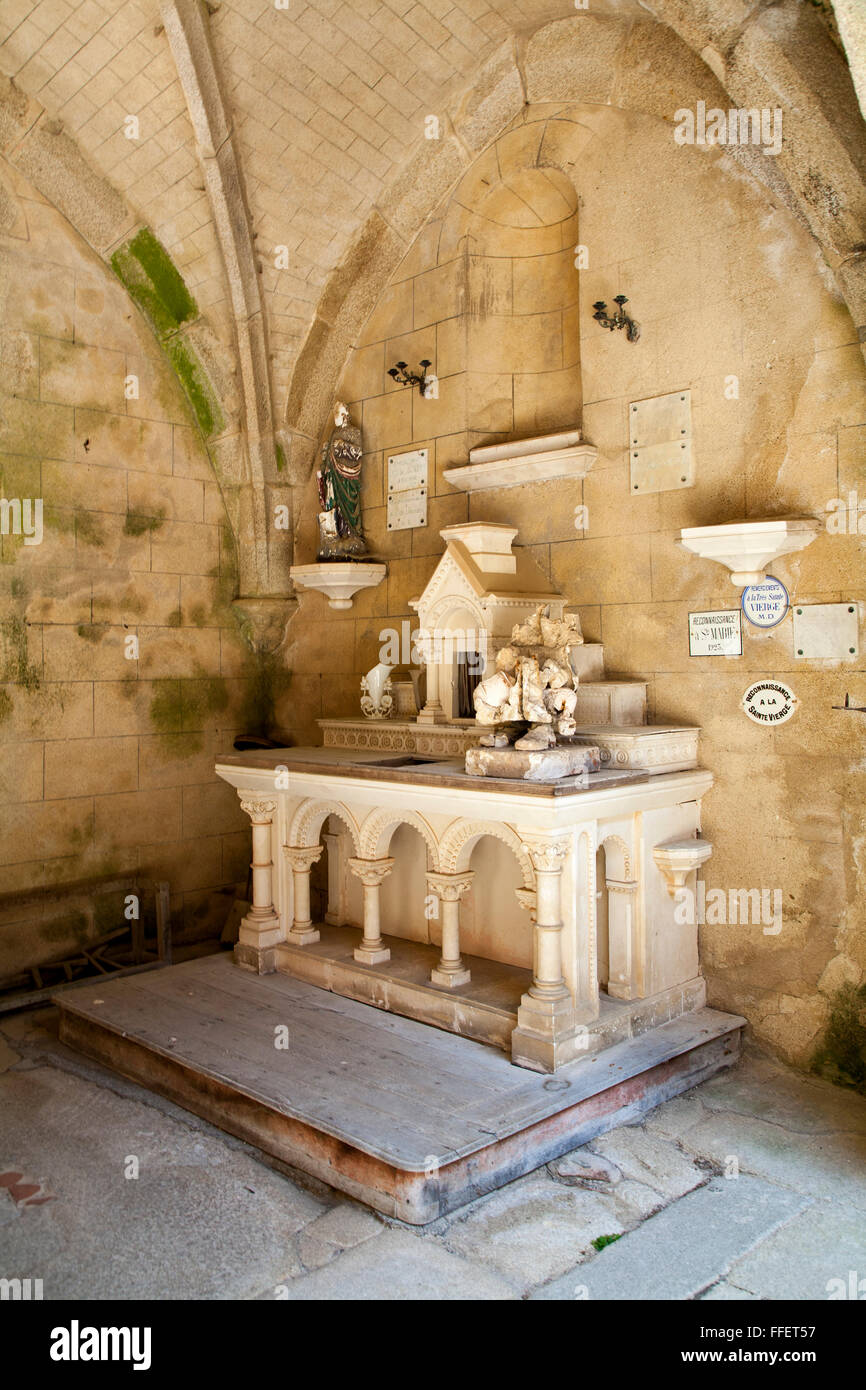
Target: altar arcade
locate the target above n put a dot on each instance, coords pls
(538, 916)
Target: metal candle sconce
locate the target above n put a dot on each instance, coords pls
(620, 319)
(852, 709)
(404, 377)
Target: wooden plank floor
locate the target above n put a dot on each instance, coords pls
(356, 1080)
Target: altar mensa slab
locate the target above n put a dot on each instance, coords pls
(409, 1119)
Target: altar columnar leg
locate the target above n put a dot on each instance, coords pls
(371, 872)
(545, 1034)
(449, 888)
(260, 929)
(432, 713)
(302, 858)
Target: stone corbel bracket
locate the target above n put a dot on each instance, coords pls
(339, 580)
(676, 859)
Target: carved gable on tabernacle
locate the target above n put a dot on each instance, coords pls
(483, 577)
(482, 586)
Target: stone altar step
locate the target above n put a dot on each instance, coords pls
(411, 1120)
(484, 1009)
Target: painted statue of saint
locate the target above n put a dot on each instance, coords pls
(339, 480)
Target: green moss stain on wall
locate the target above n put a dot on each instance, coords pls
(196, 383)
(264, 687)
(15, 665)
(6, 705)
(182, 707)
(137, 523)
(83, 525)
(154, 282)
(156, 285)
(841, 1056)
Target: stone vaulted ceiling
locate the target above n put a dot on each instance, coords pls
(325, 99)
(301, 126)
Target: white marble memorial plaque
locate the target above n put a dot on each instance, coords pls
(769, 702)
(716, 634)
(765, 605)
(407, 490)
(660, 443)
(827, 631)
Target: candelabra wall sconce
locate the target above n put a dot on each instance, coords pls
(619, 319)
(404, 377)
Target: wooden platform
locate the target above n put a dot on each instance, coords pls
(412, 1120)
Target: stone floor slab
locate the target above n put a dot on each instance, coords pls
(649, 1159)
(685, 1248)
(534, 1229)
(201, 1220)
(397, 1267)
(811, 1257)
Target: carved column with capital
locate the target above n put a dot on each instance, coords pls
(545, 1034)
(449, 889)
(302, 858)
(432, 713)
(260, 930)
(371, 872)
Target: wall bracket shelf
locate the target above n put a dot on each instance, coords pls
(536, 460)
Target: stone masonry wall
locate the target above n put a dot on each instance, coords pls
(726, 284)
(106, 762)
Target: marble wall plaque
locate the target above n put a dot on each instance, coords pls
(827, 631)
(718, 633)
(407, 490)
(660, 443)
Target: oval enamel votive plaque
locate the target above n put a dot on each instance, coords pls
(769, 702)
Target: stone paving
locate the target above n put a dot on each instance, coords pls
(752, 1186)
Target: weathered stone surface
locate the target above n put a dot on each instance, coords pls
(398, 1267)
(573, 59)
(670, 1257)
(583, 1167)
(50, 157)
(647, 1159)
(547, 765)
(810, 1258)
(497, 98)
(200, 1220)
(534, 1230)
(342, 1228)
(725, 1292)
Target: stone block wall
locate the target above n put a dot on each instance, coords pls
(748, 323)
(122, 673)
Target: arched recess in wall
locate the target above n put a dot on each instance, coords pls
(509, 233)
(649, 67)
(39, 149)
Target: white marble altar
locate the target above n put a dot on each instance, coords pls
(435, 877)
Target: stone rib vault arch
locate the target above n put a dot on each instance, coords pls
(761, 61)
